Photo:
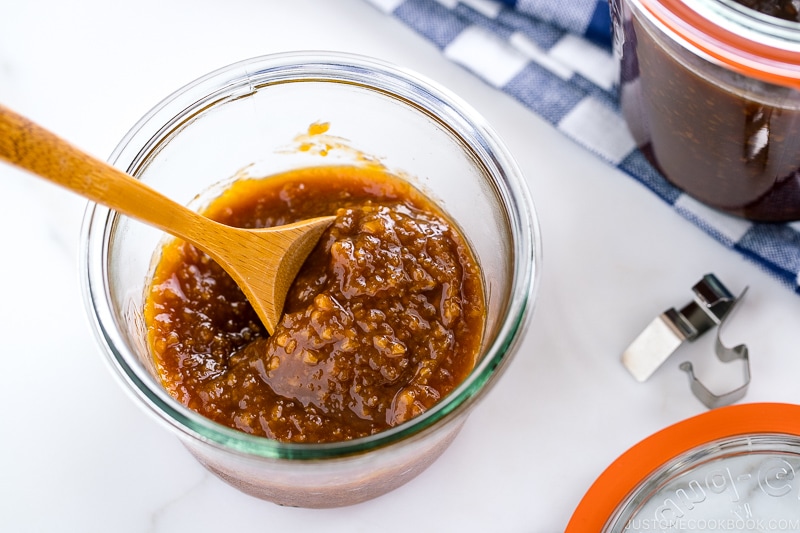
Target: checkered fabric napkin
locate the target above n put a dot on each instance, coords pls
(554, 56)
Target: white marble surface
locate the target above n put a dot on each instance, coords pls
(76, 454)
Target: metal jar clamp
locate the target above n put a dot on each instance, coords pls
(712, 306)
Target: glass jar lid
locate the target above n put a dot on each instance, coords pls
(736, 468)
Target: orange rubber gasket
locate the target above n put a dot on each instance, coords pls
(639, 462)
(763, 62)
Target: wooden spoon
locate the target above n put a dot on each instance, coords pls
(263, 262)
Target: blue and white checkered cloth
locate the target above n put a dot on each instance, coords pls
(554, 56)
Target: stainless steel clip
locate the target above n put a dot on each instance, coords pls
(712, 304)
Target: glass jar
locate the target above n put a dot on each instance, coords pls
(711, 92)
(251, 118)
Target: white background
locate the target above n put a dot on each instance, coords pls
(76, 454)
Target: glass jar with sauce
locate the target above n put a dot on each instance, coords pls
(711, 91)
(261, 117)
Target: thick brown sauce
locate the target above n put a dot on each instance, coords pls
(384, 319)
(784, 9)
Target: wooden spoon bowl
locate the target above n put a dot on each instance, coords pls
(263, 262)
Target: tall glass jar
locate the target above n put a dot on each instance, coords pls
(711, 92)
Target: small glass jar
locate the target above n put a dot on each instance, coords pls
(254, 117)
(711, 92)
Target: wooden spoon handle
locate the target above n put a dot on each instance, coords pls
(31, 147)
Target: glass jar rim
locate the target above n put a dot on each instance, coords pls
(246, 76)
(742, 39)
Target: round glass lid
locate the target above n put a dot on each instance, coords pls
(736, 468)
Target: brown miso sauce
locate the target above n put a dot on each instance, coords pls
(385, 318)
(782, 9)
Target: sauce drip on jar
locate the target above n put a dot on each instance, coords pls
(384, 319)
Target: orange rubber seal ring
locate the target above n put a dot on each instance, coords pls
(638, 463)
